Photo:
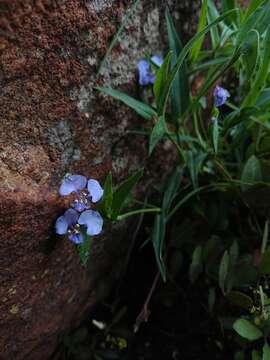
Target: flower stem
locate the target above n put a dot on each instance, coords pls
(137, 212)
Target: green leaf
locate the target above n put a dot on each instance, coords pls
(239, 355)
(195, 160)
(247, 330)
(123, 191)
(230, 5)
(84, 249)
(142, 109)
(180, 86)
(265, 236)
(211, 299)
(182, 201)
(264, 266)
(105, 207)
(212, 15)
(180, 60)
(255, 20)
(264, 99)
(256, 355)
(264, 23)
(252, 172)
(160, 81)
(215, 135)
(254, 4)
(250, 52)
(240, 299)
(266, 352)
(194, 53)
(233, 252)
(157, 133)
(172, 187)
(223, 270)
(261, 75)
(208, 64)
(196, 266)
(158, 235)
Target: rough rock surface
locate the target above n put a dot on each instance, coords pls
(53, 122)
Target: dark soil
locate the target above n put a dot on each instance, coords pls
(179, 325)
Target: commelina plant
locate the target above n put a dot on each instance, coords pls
(221, 178)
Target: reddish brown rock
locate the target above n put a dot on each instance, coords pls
(53, 122)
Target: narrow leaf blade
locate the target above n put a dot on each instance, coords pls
(157, 133)
(123, 191)
(180, 86)
(142, 109)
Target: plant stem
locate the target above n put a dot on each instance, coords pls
(137, 212)
(186, 198)
(197, 131)
(180, 151)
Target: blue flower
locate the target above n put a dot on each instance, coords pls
(72, 221)
(157, 60)
(146, 75)
(81, 204)
(72, 183)
(221, 95)
(67, 224)
(95, 190)
(76, 238)
(92, 220)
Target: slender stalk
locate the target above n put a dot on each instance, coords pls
(144, 314)
(186, 198)
(180, 151)
(197, 130)
(137, 212)
(265, 237)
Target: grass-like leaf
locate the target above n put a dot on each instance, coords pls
(157, 133)
(105, 207)
(180, 86)
(261, 76)
(161, 78)
(142, 109)
(250, 52)
(186, 49)
(84, 249)
(252, 172)
(158, 235)
(194, 53)
(123, 191)
(223, 271)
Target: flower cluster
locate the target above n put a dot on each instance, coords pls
(80, 216)
(146, 75)
(221, 95)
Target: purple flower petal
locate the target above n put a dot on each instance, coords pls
(71, 217)
(146, 75)
(95, 190)
(61, 225)
(79, 205)
(76, 238)
(72, 183)
(221, 95)
(92, 220)
(144, 70)
(157, 60)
